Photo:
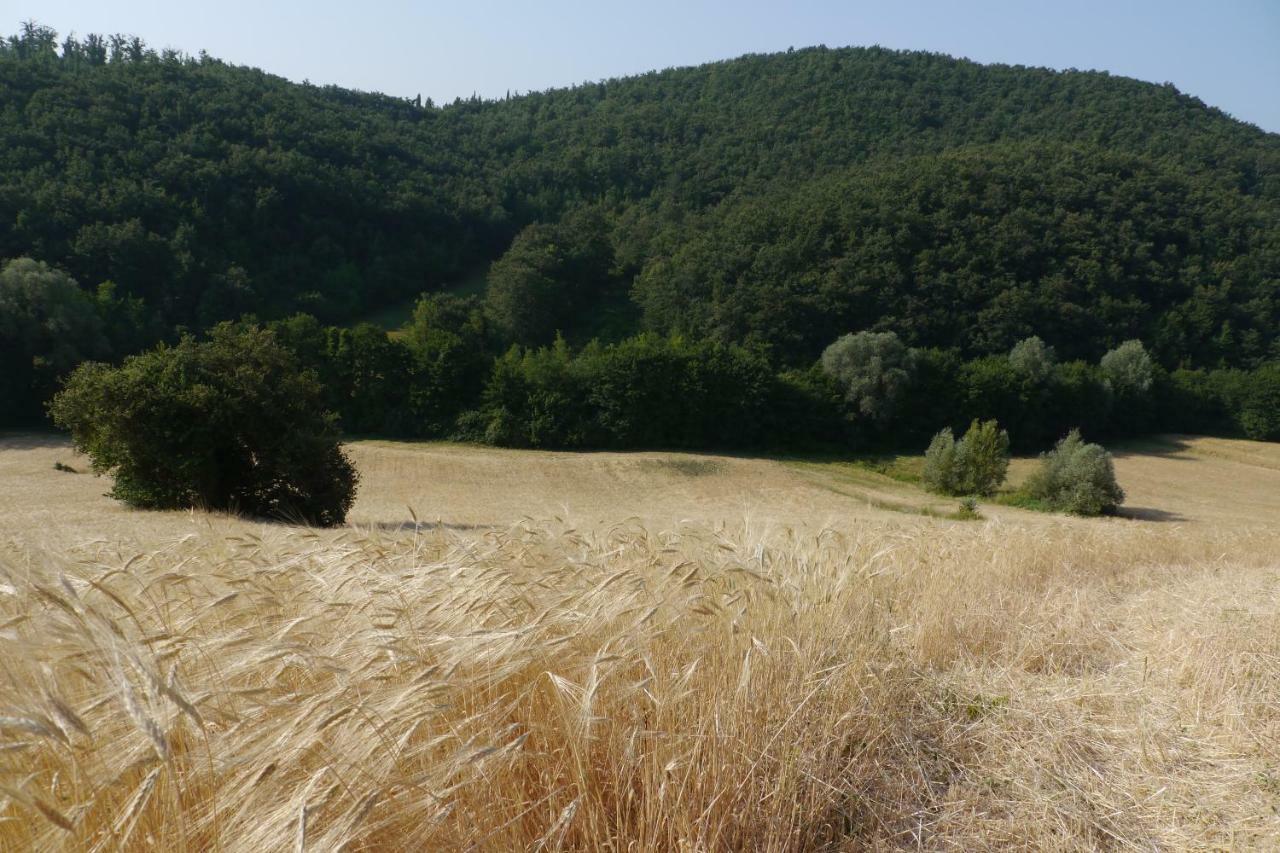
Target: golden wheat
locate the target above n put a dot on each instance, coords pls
(196, 682)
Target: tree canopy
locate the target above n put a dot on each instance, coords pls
(784, 198)
(720, 226)
(228, 423)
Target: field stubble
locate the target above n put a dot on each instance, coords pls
(664, 680)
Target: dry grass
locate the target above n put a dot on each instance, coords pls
(825, 675)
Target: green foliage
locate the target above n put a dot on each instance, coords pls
(1080, 399)
(990, 217)
(1202, 401)
(940, 471)
(806, 411)
(646, 391)
(227, 423)
(967, 510)
(982, 458)
(1032, 359)
(446, 340)
(1260, 406)
(47, 327)
(1224, 402)
(1075, 477)
(974, 465)
(1130, 375)
(966, 208)
(873, 369)
(935, 396)
(1034, 410)
(978, 248)
(1128, 369)
(375, 373)
(549, 276)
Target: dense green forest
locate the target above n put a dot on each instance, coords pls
(724, 224)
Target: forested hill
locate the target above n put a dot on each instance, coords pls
(775, 199)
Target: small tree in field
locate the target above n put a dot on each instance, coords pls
(982, 458)
(940, 474)
(974, 465)
(1076, 477)
(228, 423)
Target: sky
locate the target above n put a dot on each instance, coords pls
(1225, 52)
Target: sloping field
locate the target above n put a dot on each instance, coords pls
(648, 651)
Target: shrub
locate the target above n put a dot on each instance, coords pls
(1076, 477)
(940, 473)
(227, 423)
(874, 369)
(974, 465)
(967, 510)
(982, 457)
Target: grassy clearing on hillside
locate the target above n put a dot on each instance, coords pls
(393, 318)
(182, 681)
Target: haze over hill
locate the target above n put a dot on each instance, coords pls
(864, 187)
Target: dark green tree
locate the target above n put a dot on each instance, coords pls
(450, 360)
(1260, 407)
(228, 423)
(48, 325)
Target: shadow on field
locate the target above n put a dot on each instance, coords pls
(32, 440)
(419, 526)
(1146, 513)
(1154, 445)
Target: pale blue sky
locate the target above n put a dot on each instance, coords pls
(1226, 52)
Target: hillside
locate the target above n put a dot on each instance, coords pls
(869, 187)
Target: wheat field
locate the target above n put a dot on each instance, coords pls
(536, 651)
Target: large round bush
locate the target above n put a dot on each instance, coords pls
(1076, 477)
(227, 423)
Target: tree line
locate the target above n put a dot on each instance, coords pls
(776, 200)
(245, 419)
(450, 373)
(703, 257)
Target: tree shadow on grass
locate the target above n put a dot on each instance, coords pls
(1146, 513)
(33, 440)
(418, 526)
(1176, 446)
